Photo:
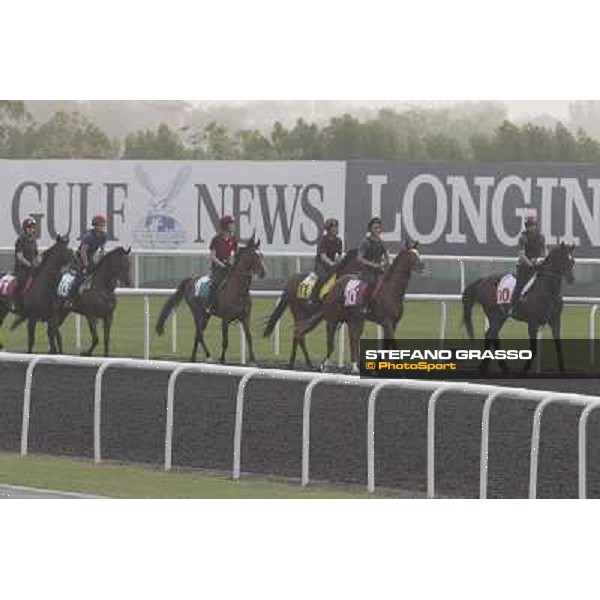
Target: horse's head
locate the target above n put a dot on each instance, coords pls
(250, 259)
(409, 258)
(560, 260)
(58, 255)
(115, 266)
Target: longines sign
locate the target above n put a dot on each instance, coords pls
(474, 208)
(173, 204)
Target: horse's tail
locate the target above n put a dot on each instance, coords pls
(469, 297)
(170, 304)
(20, 319)
(280, 307)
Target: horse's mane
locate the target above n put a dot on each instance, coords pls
(46, 254)
(117, 250)
(350, 255)
(402, 252)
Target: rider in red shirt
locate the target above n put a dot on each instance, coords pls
(223, 248)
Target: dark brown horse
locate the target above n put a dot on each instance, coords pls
(302, 310)
(386, 307)
(98, 301)
(541, 305)
(39, 300)
(232, 300)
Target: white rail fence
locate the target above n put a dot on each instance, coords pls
(442, 299)
(312, 380)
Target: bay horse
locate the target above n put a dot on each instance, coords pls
(542, 305)
(232, 300)
(386, 306)
(39, 297)
(302, 310)
(99, 301)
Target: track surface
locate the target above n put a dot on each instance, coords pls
(133, 428)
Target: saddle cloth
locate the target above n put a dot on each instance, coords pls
(354, 293)
(202, 287)
(326, 287)
(306, 286)
(506, 288)
(8, 285)
(65, 284)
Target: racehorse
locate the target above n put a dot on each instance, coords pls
(39, 298)
(303, 309)
(98, 301)
(232, 300)
(541, 305)
(386, 306)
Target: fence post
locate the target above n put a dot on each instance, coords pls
(306, 426)
(146, 327)
(27, 404)
(239, 417)
(277, 339)
(136, 270)
(242, 344)
(485, 441)
(592, 329)
(443, 319)
(341, 345)
(78, 331)
(174, 332)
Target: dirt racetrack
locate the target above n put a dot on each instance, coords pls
(133, 428)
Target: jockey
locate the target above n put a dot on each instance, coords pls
(329, 252)
(532, 250)
(373, 257)
(223, 248)
(92, 241)
(26, 254)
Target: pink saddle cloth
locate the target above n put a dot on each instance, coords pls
(8, 286)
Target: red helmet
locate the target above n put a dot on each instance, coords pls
(27, 223)
(98, 220)
(226, 220)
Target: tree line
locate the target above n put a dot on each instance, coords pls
(414, 134)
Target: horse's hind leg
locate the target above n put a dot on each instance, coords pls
(302, 342)
(3, 313)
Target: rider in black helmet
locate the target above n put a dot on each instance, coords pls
(26, 254)
(329, 252)
(373, 257)
(532, 250)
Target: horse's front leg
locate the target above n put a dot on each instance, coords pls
(331, 327)
(106, 326)
(355, 329)
(248, 334)
(31, 322)
(533, 344)
(555, 321)
(224, 339)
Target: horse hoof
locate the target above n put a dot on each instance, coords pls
(209, 359)
(253, 364)
(323, 368)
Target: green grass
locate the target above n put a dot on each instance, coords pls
(118, 481)
(421, 320)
